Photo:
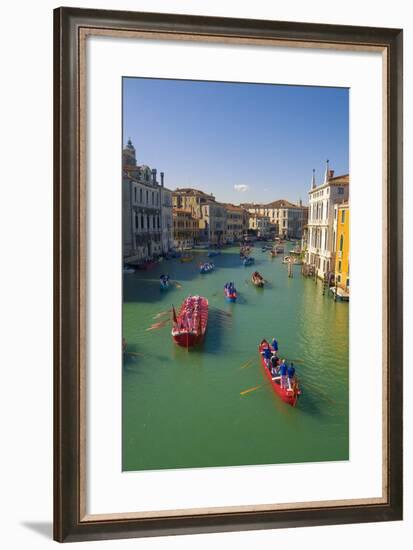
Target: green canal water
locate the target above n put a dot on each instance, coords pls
(183, 409)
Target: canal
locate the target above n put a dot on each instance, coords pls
(184, 409)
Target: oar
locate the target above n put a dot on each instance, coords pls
(248, 363)
(162, 313)
(157, 325)
(251, 389)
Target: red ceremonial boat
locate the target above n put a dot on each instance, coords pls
(190, 324)
(289, 396)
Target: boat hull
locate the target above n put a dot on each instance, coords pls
(288, 396)
(231, 297)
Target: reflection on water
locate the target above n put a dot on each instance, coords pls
(183, 408)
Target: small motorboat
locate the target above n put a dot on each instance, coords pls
(164, 282)
(128, 269)
(248, 261)
(207, 267)
(189, 326)
(279, 249)
(230, 292)
(288, 395)
(340, 294)
(257, 279)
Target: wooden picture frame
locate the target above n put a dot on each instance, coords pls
(71, 26)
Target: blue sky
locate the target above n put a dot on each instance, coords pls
(241, 142)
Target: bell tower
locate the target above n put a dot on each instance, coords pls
(129, 154)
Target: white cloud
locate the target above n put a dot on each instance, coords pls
(241, 187)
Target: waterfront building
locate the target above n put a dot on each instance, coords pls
(237, 223)
(342, 245)
(322, 198)
(213, 223)
(260, 224)
(186, 228)
(144, 210)
(285, 218)
(210, 213)
(167, 225)
(192, 199)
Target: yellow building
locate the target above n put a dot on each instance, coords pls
(186, 228)
(342, 245)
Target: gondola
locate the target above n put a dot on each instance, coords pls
(289, 396)
(257, 279)
(189, 325)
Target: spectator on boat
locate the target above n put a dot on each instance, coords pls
(283, 373)
(267, 354)
(274, 365)
(275, 345)
(291, 374)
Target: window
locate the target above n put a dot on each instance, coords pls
(339, 278)
(136, 221)
(347, 283)
(341, 243)
(339, 266)
(135, 193)
(340, 190)
(343, 216)
(147, 197)
(140, 195)
(153, 198)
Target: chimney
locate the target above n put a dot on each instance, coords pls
(330, 173)
(300, 202)
(162, 176)
(313, 184)
(327, 172)
(154, 176)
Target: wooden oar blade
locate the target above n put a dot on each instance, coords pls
(249, 390)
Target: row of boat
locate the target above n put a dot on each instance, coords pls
(189, 327)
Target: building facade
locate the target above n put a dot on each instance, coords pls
(210, 213)
(342, 245)
(185, 228)
(321, 238)
(167, 224)
(144, 210)
(237, 223)
(285, 218)
(260, 224)
(213, 223)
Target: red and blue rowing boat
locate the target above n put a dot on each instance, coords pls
(230, 292)
(189, 326)
(289, 396)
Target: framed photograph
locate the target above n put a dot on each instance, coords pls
(218, 366)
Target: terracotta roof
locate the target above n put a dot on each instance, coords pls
(192, 191)
(282, 203)
(234, 207)
(343, 179)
